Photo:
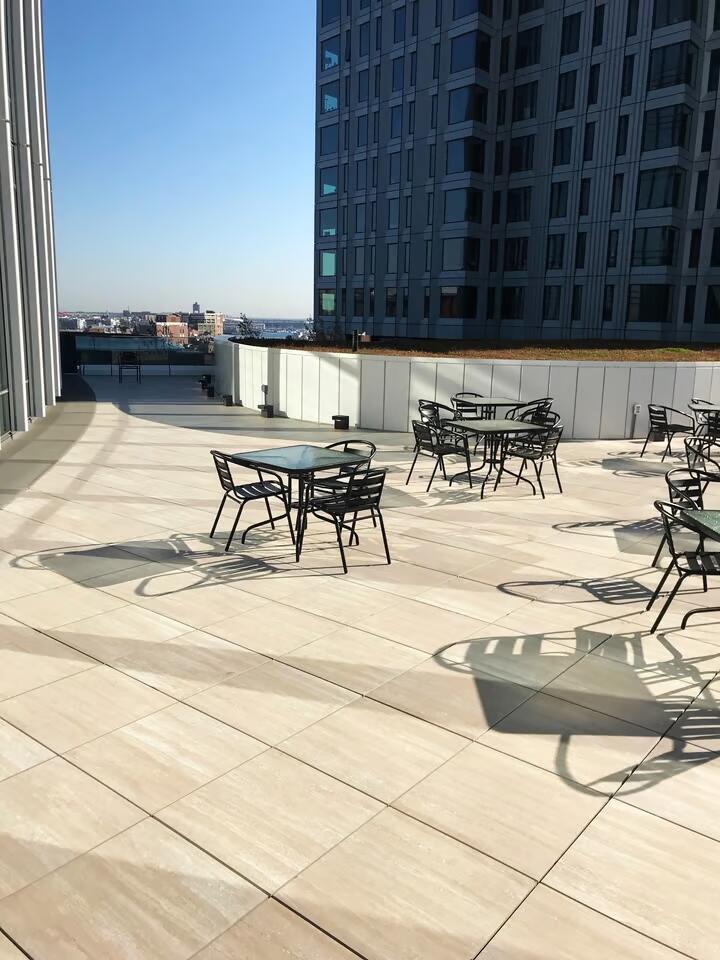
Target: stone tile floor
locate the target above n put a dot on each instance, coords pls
(477, 751)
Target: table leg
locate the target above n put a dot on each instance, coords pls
(503, 469)
(299, 525)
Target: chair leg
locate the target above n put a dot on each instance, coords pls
(647, 440)
(432, 475)
(269, 513)
(539, 480)
(234, 526)
(412, 465)
(352, 531)
(522, 467)
(467, 461)
(659, 551)
(384, 535)
(557, 475)
(671, 597)
(338, 534)
(659, 587)
(668, 449)
(217, 515)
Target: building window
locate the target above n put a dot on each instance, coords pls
(327, 222)
(504, 55)
(668, 12)
(631, 25)
(465, 8)
(362, 131)
(516, 253)
(593, 84)
(363, 40)
(501, 107)
(666, 127)
(714, 71)
(326, 303)
(390, 301)
(708, 129)
(555, 251)
(527, 6)
(461, 253)
(463, 204)
(466, 155)
(433, 111)
(328, 181)
(712, 305)
(580, 250)
(428, 256)
(694, 251)
(654, 246)
(512, 303)
(393, 213)
(524, 101)
(521, 153)
(493, 256)
(660, 187)
(399, 25)
(566, 90)
(622, 135)
(411, 118)
(405, 295)
(562, 147)
(436, 61)
(397, 74)
(598, 25)
(558, 199)
(552, 299)
(328, 261)
(528, 46)
(649, 303)
(394, 172)
(426, 303)
(617, 193)
(396, 121)
(330, 53)
(672, 65)
(458, 302)
(576, 304)
(518, 204)
(570, 37)
(470, 51)
(715, 250)
(431, 160)
(328, 139)
(363, 86)
(689, 308)
(496, 203)
(584, 203)
(359, 218)
(612, 251)
(329, 12)
(608, 303)
(628, 75)
(589, 141)
(359, 267)
(700, 190)
(467, 103)
(378, 32)
(329, 94)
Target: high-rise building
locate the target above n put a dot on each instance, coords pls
(29, 353)
(518, 168)
(196, 307)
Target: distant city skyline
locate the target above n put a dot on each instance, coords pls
(179, 176)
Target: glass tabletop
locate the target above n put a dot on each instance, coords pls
(299, 458)
(706, 522)
(497, 426)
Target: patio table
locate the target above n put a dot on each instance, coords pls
(496, 431)
(484, 403)
(707, 524)
(298, 462)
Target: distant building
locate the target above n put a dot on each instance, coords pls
(204, 323)
(170, 325)
(196, 307)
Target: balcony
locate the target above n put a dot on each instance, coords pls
(477, 750)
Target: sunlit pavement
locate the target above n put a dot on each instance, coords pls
(478, 750)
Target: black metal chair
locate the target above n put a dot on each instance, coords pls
(532, 412)
(697, 563)
(685, 487)
(360, 500)
(698, 414)
(332, 484)
(470, 406)
(261, 489)
(438, 443)
(660, 424)
(432, 412)
(700, 454)
(712, 426)
(536, 448)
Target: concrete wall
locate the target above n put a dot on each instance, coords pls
(594, 399)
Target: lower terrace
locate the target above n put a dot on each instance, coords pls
(477, 751)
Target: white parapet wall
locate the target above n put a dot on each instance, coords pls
(595, 399)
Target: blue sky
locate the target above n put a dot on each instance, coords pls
(181, 137)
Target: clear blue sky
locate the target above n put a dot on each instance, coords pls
(181, 137)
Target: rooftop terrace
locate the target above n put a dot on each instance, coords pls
(477, 751)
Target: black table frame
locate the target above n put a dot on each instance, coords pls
(704, 531)
(256, 460)
(498, 442)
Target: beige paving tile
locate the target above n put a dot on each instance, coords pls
(512, 811)
(165, 756)
(271, 932)
(231, 817)
(188, 664)
(692, 656)
(85, 562)
(679, 781)
(272, 702)
(398, 578)
(701, 721)
(52, 608)
(473, 599)
(51, 814)
(399, 889)
(355, 659)
(652, 696)
(72, 711)
(352, 745)
(344, 602)
(8, 951)
(20, 577)
(29, 659)
(420, 625)
(129, 630)
(453, 695)
(146, 893)
(548, 925)
(588, 748)
(18, 752)
(652, 875)
(287, 629)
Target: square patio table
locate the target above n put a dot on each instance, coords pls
(488, 402)
(299, 462)
(497, 431)
(707, 524)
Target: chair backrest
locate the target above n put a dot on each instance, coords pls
(550, 440)
(364, 448)
(698, 452)
(686, 487)
(364, 490)
(432, 412)
(658, 417)
(531, 412)
(671, 515)
(466, 404)
(426, 435)
(223, 469)
(712, 424)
